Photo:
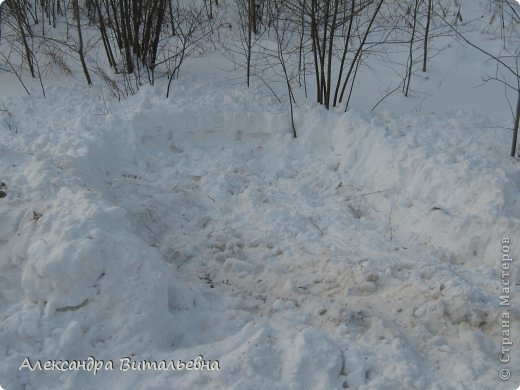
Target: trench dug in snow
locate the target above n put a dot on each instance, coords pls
(364, 254)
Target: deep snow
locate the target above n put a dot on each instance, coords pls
(365, 253)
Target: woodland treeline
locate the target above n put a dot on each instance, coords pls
(319, 46)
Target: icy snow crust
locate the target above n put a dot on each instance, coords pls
(366, 253)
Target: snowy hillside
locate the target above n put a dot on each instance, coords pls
(368, 253)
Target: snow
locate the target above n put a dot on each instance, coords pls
(365, 254)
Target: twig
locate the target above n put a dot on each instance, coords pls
(385, 96)
(375, 192)
(317, 227)
(390, 223)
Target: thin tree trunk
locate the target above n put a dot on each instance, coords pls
(80, 40)
(19, 15)
(353, 81)
(345, 51)
(315, 49)
(515, 129)
(254, 20)
(170, 6)
(331, 53)
(426, 34)
(410, 59)
(323, 52)
(249, 31)
(125, 36)
(104, 36)
(360, 49)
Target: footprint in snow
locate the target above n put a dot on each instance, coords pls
(3, 194)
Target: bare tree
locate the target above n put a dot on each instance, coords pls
(427, 34)
(283, 38)
(80, 43)
(408, 76)
(18, 10)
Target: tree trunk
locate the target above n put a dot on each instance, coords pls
(80, 42)
(515, 129)
(410, 59)
(426, 34)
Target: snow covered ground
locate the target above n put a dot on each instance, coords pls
(365, 254)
